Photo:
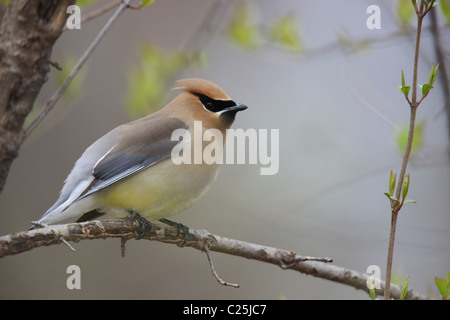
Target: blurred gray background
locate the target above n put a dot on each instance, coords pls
(337, 112)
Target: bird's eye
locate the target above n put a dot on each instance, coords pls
(214, 105)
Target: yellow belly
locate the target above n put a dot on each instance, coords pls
(159, 191)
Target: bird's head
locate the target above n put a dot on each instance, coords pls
(206, 101)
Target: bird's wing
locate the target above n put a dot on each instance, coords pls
(118, 154)
(135, 151)
(81, 175)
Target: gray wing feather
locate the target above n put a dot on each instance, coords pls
(82, 171)
(134, 153)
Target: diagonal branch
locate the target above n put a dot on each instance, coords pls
(98, 12)
(198, 239)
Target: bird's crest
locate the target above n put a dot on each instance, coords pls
(200, 86)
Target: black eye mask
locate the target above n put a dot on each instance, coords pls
(215, 105)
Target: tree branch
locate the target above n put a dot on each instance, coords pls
(198, 239)
(28, 31)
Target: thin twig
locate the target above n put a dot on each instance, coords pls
(122, 246)
(55, 97)
(55, 65)
(98, 12)
(396, 204)
(219, 280)
(66, 243)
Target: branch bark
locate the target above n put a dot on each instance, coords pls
(28, 32)
(198, 239)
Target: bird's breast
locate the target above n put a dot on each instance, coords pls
(159, 191)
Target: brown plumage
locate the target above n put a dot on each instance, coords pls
(201, 86)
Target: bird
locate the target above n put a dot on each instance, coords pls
(130, 169)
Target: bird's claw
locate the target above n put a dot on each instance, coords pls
(144, 225)
(180, 227)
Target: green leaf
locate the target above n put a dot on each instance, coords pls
(426, 88)
(445, 9)
(372, 293)
(405, 90)
(433, 74)
(430, 77)
(285, 31)
(405, 186)
(404, 291)
(390, 196)
(405, 11)
(242, 30)
(401, 138)
(392, 181)
(145, 3)
(443, 286)
(409, 201)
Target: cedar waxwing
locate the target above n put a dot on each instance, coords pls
(130, 168)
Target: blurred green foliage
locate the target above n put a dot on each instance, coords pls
(401, 138)
(397, 277)
(245, 32)
(349, 44)
(405, 11)
(285, 31)
(83, 3)
(242, 29)
(149, 80)
(145, 3)
(75, 87)
(445, 9)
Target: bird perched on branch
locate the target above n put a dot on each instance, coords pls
(131, 169)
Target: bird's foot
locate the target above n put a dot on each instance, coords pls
(180, 227)
(144, 224)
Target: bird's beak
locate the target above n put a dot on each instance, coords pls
(237, 107)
